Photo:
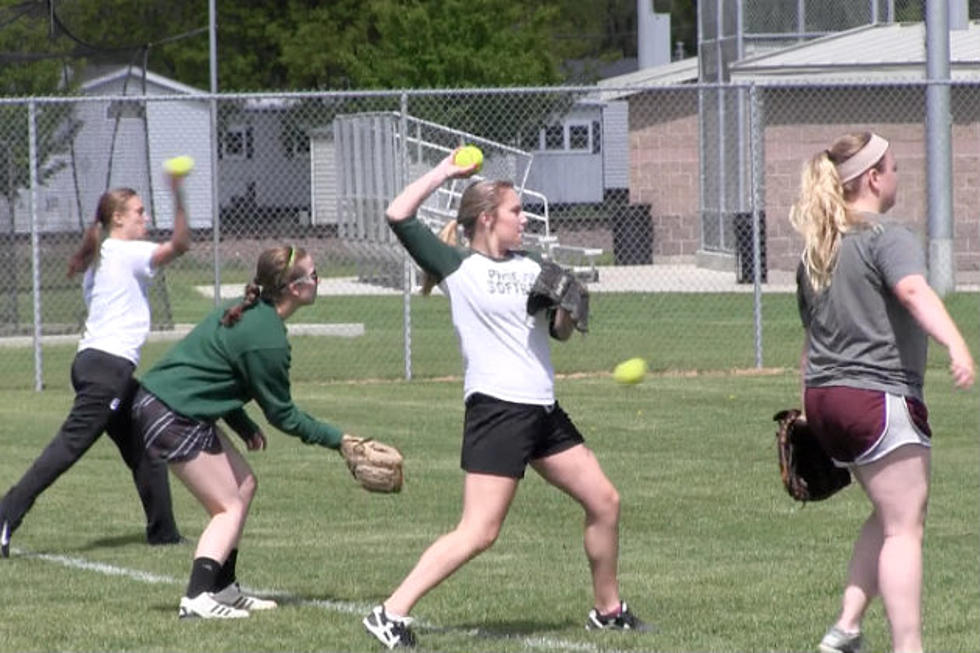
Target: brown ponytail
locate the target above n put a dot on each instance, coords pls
(110, 203)
(234, 313)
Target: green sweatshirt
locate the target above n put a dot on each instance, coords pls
(215, 370)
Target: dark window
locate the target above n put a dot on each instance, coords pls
(554, 137)
(578, 137)
(237, 143)
(234, 143)
(122, 109)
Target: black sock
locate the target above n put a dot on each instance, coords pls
(204, 571)
(226, 576)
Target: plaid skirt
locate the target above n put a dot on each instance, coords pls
(169, 435)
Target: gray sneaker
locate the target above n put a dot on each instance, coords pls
(839, 641)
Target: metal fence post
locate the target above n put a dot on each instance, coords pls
(35, 245)
(400, 181)
(757, 205)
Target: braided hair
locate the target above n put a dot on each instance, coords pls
(274, 272)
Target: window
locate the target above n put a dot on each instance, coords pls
(296, 142)
(578, 137)
(124, 109)
(571, 137)
(236, 143)
(554, 137)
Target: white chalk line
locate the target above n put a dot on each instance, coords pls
(345, 607)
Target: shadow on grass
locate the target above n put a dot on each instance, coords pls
(504, 629)
(113, 542)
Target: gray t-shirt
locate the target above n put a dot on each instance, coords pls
(859, 333)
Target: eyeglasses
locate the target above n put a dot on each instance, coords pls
(311, 277)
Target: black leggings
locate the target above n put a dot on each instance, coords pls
(104, 388)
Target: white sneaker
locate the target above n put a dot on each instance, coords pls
(390, 632)
(838, 641)
(234, 597)
(5, 539)
(204, 606)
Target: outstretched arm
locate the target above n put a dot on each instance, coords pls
(180, 239)
(410, 199)
(929, 311)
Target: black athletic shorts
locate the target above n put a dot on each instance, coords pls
(501, 437)
(169, 435)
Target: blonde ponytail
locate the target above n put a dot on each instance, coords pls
(449, 234)
(821, 214)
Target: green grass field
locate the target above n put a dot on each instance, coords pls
(674, 331)
(713, 550)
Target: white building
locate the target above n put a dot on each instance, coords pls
(124, 143)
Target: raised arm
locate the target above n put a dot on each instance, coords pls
(410, 199)
(180, 238)
(929, 311)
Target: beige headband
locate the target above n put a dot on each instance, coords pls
(863, 159)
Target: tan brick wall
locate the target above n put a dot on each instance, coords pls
(664, 166)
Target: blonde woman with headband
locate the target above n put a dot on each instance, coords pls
(512, 419)
(868, 312)
(233, 356)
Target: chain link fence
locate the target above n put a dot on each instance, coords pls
(671, 202)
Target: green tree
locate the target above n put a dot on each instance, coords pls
(399, 44)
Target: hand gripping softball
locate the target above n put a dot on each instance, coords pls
(807, 471)
(376, 466)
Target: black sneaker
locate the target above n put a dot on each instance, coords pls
(5, 538)
(622, 620)
(390, 632)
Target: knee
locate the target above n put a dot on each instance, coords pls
(481, 537)
(605, 505)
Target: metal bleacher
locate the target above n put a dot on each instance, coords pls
(378, 153)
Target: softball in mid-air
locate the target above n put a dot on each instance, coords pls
(178, 166)
(469, 155)
(630, 371)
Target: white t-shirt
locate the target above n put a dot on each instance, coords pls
(506, 353)
(115, 290)
(505, 350)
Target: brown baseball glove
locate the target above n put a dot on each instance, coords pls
(376, 466)
(807, 471)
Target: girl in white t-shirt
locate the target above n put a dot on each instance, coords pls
(115, 288)
(512, 419)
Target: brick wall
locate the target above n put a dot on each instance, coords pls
(664, 168)
(664, 163)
